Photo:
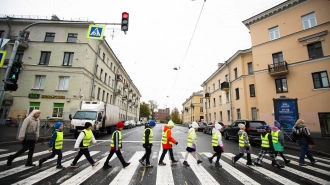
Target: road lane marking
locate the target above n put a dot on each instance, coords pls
(299, 173)
(8, 154)
(3, 150)
(125, 175)
(262, 170)
(25, 157)
(49, 172)
(203, 176)
(318, 158)
(244, 179)
(22, 168)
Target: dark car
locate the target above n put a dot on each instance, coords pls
(210, 126)
(201, 126)
(252, 127)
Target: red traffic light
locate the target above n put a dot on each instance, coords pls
(125, 15)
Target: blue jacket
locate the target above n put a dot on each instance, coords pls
(53, 138)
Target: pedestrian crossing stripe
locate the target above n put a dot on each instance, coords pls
(95, 32)
(197, 173)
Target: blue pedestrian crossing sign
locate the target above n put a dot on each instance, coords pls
(2, 57)
(96, 32)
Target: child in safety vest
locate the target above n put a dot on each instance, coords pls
(278, 141)
(267, 147)
(244, 146)
(55, 145)
(217, 144)
(115, 146)
(83, 142)
(192, 144)
(167, 141)
(147, 141)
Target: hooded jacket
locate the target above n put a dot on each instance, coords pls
(301, 132)
(169, 138)
(30, 125)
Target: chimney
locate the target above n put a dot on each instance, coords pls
(220, 64)
(55, 18)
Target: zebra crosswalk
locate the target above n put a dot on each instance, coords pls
(203, 174)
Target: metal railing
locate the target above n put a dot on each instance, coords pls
(278, 67)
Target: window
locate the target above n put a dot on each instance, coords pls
(254, 113)
(252, 90)
(34, 106)
(110, 99)
(49, 37)
(228, 115)
(238, 113)
(278, 58)
(105, 78)
(98, 93)
(250, 68)
(107, 98)
(114, 68)
(209, 89)
(103, 58)
(220, 115)
(113, 83)
(205, 105)
(320, 79)
(210, 116)
(281, 85)
(215, 116)
(209, 104)
(309, 20)
(237, 93)
(39, 82)
(213, 102)
(200, 109)
(226, 77)
(315, 50)
(213, 87)
(2, 33)
(72, 37)
(19, 56)
(220, 100)
(103, 93)
(235, 72)
(219, 84)
(44, 58)
(111, 66)
(324, 118)
(227, 97)
(58, 110)
(109, 81)
(201, 100)
(274, 33)
(68, 57)
(64, 83)
(101, 72)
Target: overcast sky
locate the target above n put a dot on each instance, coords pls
(158, 37)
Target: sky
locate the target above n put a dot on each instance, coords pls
(160, 37)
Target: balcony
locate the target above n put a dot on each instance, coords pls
(131, 90)
(278, 69)
(124, 97)
(125, 86)
(129, 100)
(119, 78)
(207, 95)
(225, 86)
(191, 105)
(23, 43)
(117, 92)
(134, 94)
(186, 109)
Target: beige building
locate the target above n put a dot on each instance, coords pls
(193, 108)
(290, 57)
(61, 68)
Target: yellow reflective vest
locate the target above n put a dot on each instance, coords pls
(59, 140)
(241, 140)
(275, 136)
(264, 141)
(150, 136)
(164, 138)
(119, 139)
(87, 138)
(192, 141)
(215, 141)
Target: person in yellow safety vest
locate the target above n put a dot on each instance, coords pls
(115, 146)
(167, 141)
(244, 146)
(147, 141)
(192, 143)
(83, 142)
(278, 141)
(55, 145)
(267, 147)
(217, 144)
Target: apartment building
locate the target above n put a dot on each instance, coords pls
(162, 114)
(193, 108)
(62, 68)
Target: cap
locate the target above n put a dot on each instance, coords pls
(194, 125)
(170, 123)
(120, 124)
(241, 125)
(217, 126)
(152, 123)
(58, 124)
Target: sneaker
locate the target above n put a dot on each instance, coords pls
(185, 163)
(95, 164)
(149, 166)
(174, 161)
(233, 160)
(141, 162)
(9, 161)
(218, 165)
(106, 166)
(126, 164)
(249, 164)
(199, 161)
(161, 164)
(302, 164)
(210, 159)
(314, 162)
(60, 167)
(74, 165)
(288, 161)
(257, 164)
(40, 163)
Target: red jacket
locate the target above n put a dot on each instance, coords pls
(169, 138)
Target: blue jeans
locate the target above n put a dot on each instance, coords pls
(304, 151)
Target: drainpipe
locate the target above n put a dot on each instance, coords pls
(95, 69)
(230, 97)
(127, 99)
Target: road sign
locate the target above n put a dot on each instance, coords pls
(4, 42)
(96, 32)
(2, 57)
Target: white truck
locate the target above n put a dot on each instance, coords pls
(144, 120)
(103, 117)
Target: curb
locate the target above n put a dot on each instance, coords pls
(324, 154)
(40, 139)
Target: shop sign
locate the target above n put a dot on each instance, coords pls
(34, 96)
(52, 97)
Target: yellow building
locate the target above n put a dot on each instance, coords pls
(61, 68)
(193, 108)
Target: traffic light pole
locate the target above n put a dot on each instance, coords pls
(20, 35)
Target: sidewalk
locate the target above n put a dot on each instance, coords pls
(321, 146)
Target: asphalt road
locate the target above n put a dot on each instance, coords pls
(205, 173)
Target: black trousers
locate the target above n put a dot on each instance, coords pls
(55, 152)
(85, 152)
(281, 154)
(27, 145)
(119, 155)
(217, 153)
(249, 160)
(147, 154)
(164, 153)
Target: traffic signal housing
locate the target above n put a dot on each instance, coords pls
(124, 21)
(11, 84)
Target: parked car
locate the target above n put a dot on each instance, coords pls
(128, 124)
(208, 128)
(201, 126)
(133, 123)
(252, 127)
(138, 123)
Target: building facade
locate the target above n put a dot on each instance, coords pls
(61, 68)
(193, 108)
(162, 114)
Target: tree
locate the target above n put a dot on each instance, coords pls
(175, 115)
(153, 105)
(144, 110)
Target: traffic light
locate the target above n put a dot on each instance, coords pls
(11, 87)
(14, 72)
(124, 21)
